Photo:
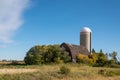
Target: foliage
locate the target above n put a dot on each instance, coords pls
(14, 62)
(84, 59)
(53, 54)
(93, 50)
(101, 51)
(113, 55)
(109, 73)
(46, 54)
(96, 59)
(101, 59)
(115, 66)
(108, 63)
(33, 59)
(64, 70)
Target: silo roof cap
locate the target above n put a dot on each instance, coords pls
(85, 29)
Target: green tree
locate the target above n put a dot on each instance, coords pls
(114, 56)
(101, 61)
(93, 50)
(46, 54)
(101, 51)
(57, 55)
(33, 59)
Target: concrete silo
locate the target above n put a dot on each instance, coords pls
(85, 38)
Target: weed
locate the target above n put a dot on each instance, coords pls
(64, 70)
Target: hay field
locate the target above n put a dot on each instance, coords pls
(52, 72)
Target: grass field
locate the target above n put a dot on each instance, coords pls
(52, 72)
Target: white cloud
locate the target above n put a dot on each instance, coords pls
(3, 46)
(11, 18)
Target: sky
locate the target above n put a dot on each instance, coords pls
(26, 23)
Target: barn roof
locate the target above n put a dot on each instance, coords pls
(74, 50)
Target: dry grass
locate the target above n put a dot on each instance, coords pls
(51, 72)
(16, 71)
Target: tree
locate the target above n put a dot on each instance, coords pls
(114, 56)
(58, 55)
(107, 56)
(84, 59)
(46, 54)
(94, 57)
(101, 51)
(101, 59)
(93, 51)
(31, 59)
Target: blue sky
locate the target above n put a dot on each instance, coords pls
(37, 22)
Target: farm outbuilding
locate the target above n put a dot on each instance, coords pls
(84, 47)
(74, 50)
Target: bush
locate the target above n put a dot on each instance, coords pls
(64, 70)
(115, 66)
(84, 59)
(33, 59)
(14, 62)
(109, 73)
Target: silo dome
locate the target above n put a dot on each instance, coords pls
(86, 29)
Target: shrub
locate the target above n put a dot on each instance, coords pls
(115, 66)
(14, 62)
(33, 59)
(58, 60)
(109, 73)
(64, 70)
(84, 59)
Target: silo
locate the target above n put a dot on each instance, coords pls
(85, 38)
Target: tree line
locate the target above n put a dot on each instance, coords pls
(44, 54)
(99, 58)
